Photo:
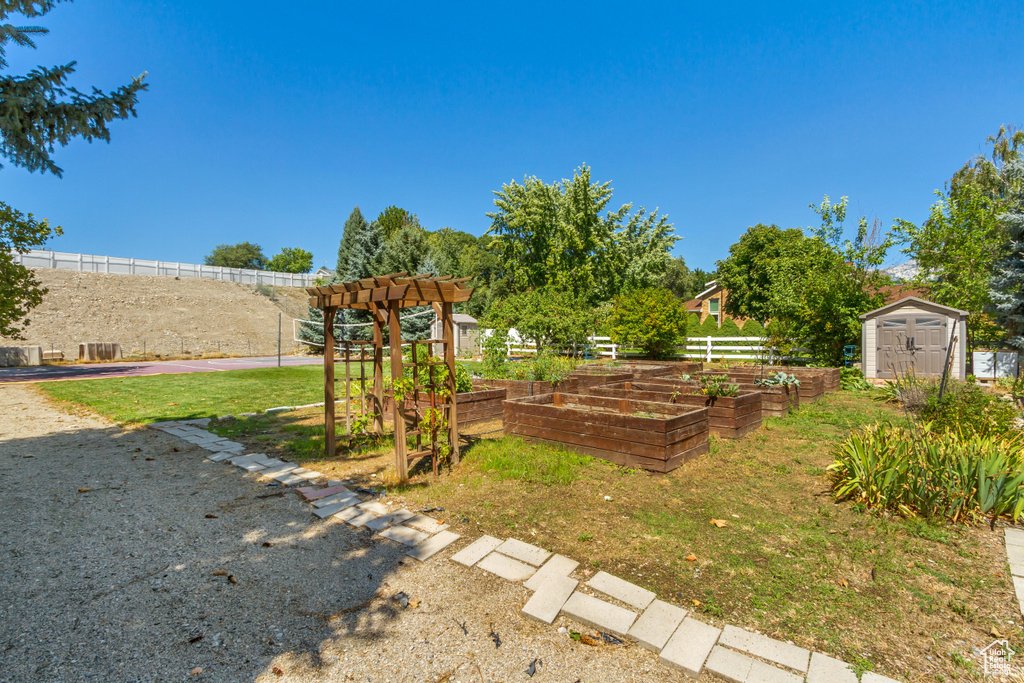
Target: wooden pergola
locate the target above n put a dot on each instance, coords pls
(384, 297)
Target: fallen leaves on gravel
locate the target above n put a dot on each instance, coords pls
(210, 515)
(196, 671)
(84, 490)
(232, 579)
(220, 572)
(278, 671)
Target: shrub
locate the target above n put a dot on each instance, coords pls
(752, 328)
(650, 318)
(548, 317)
(852, 379)
(938, 474)
(544, 367)
(495, 352)
(967, 408)
(708, 328)
(729, 328)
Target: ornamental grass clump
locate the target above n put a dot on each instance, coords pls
(937, 474)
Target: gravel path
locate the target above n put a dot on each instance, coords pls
(118, 583)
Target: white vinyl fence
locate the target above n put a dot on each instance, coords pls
(704, 349)
(88, 263)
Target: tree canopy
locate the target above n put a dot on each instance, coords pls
(20, 292)
(241, 255)
(291, 260)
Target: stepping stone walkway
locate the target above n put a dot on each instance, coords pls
(631, 612)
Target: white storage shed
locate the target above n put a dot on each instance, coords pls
(913, 335)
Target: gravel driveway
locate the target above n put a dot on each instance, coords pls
(120, 582)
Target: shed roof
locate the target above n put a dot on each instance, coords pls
(914, 300)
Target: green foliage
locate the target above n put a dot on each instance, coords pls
(560, 235)
(495, 353)
(291, 260)
(940, 475)
(651, 319)
(708, 328)
(778, 379)
(752, 328)
(544, 367)
(512, 458)
(20, 292)
(692, 325)
(39, 110)
(547, 317)
(363, 253)
(968, 409)
(313, 331)
(393, 219)
(729, 328)
(852, 379)
(241, 255)
(1007, 290)
(717, 386)
(355, 225)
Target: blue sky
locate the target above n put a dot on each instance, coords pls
(270, 127)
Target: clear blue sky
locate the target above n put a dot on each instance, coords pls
(269, 126)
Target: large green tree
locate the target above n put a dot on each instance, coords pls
(291, 260)
(683, 282)
(563, 235)
(650, 318)
(38, 112)
(241, 255)
(549, 317)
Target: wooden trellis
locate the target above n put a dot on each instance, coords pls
(384, 297)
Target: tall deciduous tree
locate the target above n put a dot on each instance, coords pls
(20, 292)
(547, 317)
(241, 255)
(291, 260)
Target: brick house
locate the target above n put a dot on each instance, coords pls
(711, 304)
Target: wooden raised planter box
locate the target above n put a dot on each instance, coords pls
(595, 376)
(654, 436)
(473, 406)
(830, 377)
(518, 388)
(776, 401)
(811, 388)
(730, 417)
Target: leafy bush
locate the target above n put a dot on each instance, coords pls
(852, 379)
(548, 317)
(778, 379)
(495, 352)
(752, 328)
(650, 318)
(938, 474)
(729, 328)
(544, 367)
(717, 386)
(967, 408)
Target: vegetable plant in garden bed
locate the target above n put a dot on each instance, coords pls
(776, 400)
(654, 436)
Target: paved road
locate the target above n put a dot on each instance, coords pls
(101, 370)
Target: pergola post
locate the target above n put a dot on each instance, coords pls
(397, 404)
(378, 371)
(449, 360)
(330, 440)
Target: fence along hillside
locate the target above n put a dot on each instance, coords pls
(90, 263)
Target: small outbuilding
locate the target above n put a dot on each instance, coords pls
(913, 335)
(467, 334)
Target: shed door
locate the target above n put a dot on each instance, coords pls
(911, 344)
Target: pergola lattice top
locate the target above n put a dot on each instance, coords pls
(400, 290)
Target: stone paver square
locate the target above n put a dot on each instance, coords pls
(872, 677)
(621, 590)
(403, 535)
(476, 551)
(390, 519)
(273, 462)
(506, 567)
(278, 469)
(342, 497)
(348, 514)
(230, 446)
(361, 519)
(330, 510)
(427, 525)
(656, 625)
(1013, 536)
(824, 669)
(599, 614)
(1015, 555)
(251, 467)
(219, 457)
(558, 565)
(766, 673)
(311, 493)
(548, 600)
(433, 545)
(289, 479)
(239, 460)
(766, 648)
(373, 506)
(524, 552)
(730, 665)
(690, 646)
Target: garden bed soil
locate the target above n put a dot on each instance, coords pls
(518, 388)
(776, 400)
(658, 437)
(830, 377)
(730, 417)
(812, 386)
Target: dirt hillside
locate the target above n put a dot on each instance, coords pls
(166, 316)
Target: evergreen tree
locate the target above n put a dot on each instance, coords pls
(406, 250)
(709, 328)
(1008, 282)
(752, 328)
(354, 226)
(39, 111)
(363, 261)
(729, 328)
(313, 331)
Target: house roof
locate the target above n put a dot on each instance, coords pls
(462, 318)
(916, 300)
(693, 305)
(711, 287)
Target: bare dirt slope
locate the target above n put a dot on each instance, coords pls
(167, 316)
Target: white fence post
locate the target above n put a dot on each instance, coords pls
(707, 357)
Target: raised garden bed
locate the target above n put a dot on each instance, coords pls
(776, 401)
(730, 417)
(812, 386)
(480, 405)
(595, 375)
(518, 388)
(830, 377)
(654, 436)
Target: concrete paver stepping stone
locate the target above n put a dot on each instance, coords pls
(312, 493)
(599, 614)
(308, 475)
(239, 460)
(872, 677)
(433, 545)
(824, 669)
(766, 648)
(1013, 536)
(289, 479)
(375, 507)
(549, 598)
(342, 497)
(333, 509)
(251, 467)
(1015, 555)
(506, 567)
(348, 514)
(558, 565)
(391, 519)
(278, 469)
(656, 625)
(524, 552)
(403, 535)
(427, 525)
(361, 519)
(622, 590)
(729, 664)
(219, 457)
(1018, 588)
(274, 462)
(766, 673)
(226, 446)
(165, 423)
(476, 551)
(689, 646)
